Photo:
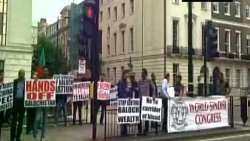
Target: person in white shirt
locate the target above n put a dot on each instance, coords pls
(165, 96)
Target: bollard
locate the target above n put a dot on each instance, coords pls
(243, 109)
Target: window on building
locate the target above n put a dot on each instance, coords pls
(218, 37)
(175, 72)
(175, 36)
(115, 13)
(109, 13)
(248, 78)
(123, 41)
(132, 39)
(238, 78)
(1, 71)
(228, 72)
(237, 9)
(108, 33)
(227, 8)
(175, 1)
(227, 41)
(238, 42)
(131, 6)
(123, 10)
(108, 50)
(3, 22)
(115, 43)
(203, 5)
(108, 74)
(215, 7)
(101, 14)
(248, 12)
(248, 44)
(114, 71)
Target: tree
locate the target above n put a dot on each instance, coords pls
(55, 60)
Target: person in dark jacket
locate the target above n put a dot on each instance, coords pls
(31, 113)
(18, 107)
(123, 92)
(155, 94)
(134, 88)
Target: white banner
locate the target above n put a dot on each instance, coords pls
(189, 114)
(80, 91)
(6, 96)
(103, 91)
(82, 66)
(151, 109)
(64, 84)
(128, 111)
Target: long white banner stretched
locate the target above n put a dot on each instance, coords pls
(190, 114)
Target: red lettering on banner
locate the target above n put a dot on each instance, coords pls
(207, 118)
(40, 86)
(34, 86)
(52, 85)
(46, 86)
(41, 96)
(28, 86)
(50, 95)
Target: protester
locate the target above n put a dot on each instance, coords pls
(179, 87)
(165, 96)
(41, 118)
(77, 105)
(123, 92)
(145, 89)
(61, 106)
(101, 103)
(155, 95)
(222, 88)
(18, 107)
(134, 89)
(31, 114)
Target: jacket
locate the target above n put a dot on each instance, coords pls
(122, 89)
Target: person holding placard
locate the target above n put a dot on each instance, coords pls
(41, 118)
(165, 96)
(18, 107)
(145, 89)
(179, 87)
(155, 94)
(123, 93)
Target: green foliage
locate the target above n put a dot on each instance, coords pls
(55, 60)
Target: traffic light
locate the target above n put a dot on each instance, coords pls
(211, 41)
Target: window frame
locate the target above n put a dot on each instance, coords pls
(226, 5)
(237, 3)
(217, 7)
(238, 42)
(227, 50)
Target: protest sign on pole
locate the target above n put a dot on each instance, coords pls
(64, 84)
(6, 96)
(113, 96)
(151, 109)
(82, 66)
(40, 93)
(190, 114)
(81, 91)
(128, 111)
(103, 91)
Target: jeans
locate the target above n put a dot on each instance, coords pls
(31, 114)
(77, 105)
(18, 114)
(61, 107)
(41, 122)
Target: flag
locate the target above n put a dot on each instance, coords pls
(41, 64)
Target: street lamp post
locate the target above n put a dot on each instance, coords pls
(190, 51)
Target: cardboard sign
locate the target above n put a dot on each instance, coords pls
(40, 93)
(151, 109)
(81, 91)
(64, 84)
(6, 96)
(128, 111)
(103, 91)
(189, 114)
(82, 66)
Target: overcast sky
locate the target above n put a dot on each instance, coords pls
(49, 9)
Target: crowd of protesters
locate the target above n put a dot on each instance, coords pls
(128, 87)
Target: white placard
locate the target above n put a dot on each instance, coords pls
(82, 66)
(151, 109)
(80, 91)
(128, 111)
(103, 91)
(64, 83)
(6, 96)
(113, 96)
(190, 114)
